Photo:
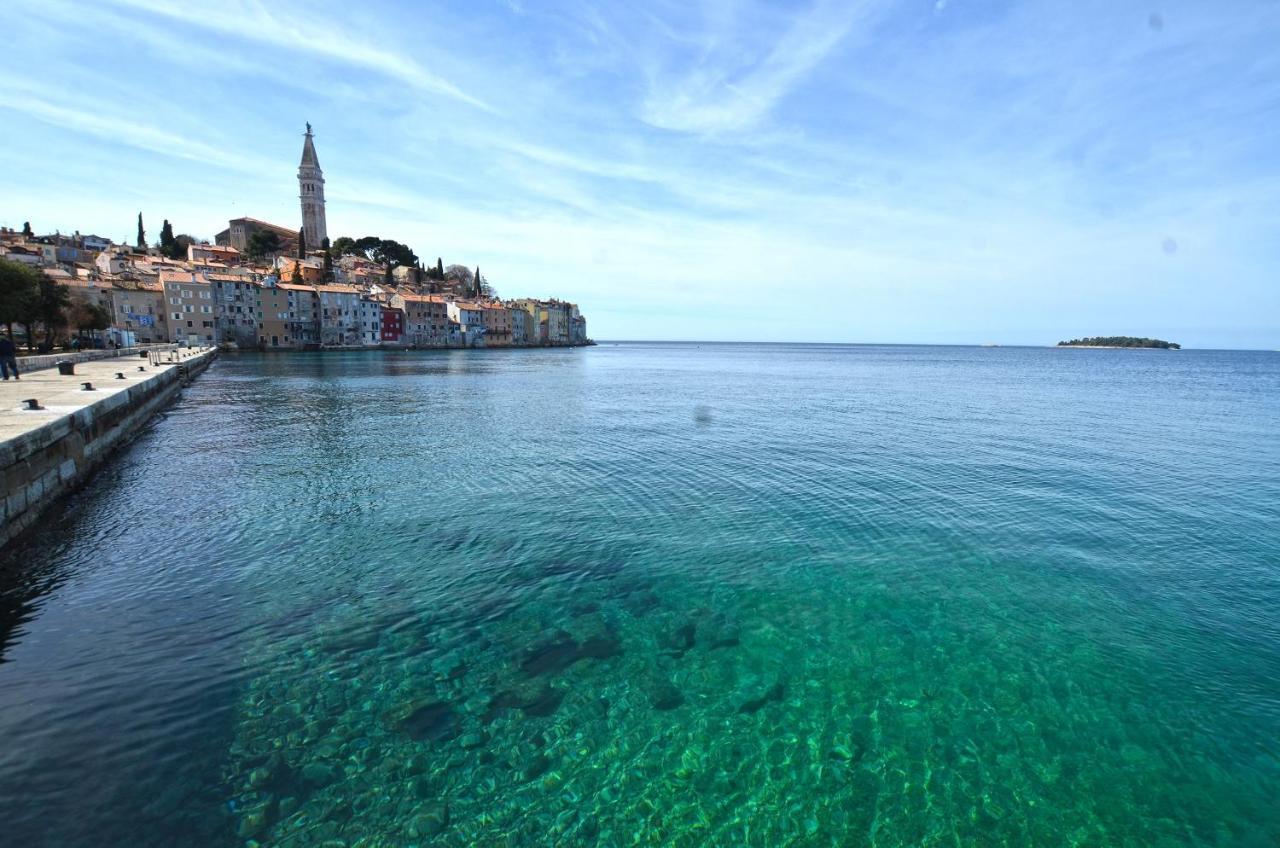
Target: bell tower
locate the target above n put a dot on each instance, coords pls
(311, 194)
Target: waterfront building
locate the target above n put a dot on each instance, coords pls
(311, 194)
(392, 324)
(470, 319)
(339, 312)
(370, 321)
(497, 325)
(190, 308)
(139, 308)
(521, 326)
(426, 319)
(277, 312)
(235, 301)
(305, 327)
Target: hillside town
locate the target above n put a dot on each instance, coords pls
(261, 286)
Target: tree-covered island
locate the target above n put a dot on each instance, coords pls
(1121, 341)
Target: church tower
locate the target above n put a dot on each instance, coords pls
(311, 193)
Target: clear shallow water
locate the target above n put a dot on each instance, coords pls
(664, 594)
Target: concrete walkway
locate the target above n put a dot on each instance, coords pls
(61, 395)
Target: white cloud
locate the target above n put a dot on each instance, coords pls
(733, 92)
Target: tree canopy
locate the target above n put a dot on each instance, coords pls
(1121, 341)
(263, 243)
(29, 298)
(375, 249)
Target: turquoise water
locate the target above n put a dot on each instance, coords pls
(664, 595)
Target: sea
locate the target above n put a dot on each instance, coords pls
(663, 594)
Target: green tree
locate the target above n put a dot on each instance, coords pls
(27, 231)
(45, 305)
(166, 239)
(343, 246)
(142, 234)
(478, 290)
(91, 317)
(328, 259)
(439, 268)
(263, 243)
(19, 285)
(296, 276)
(302, 243)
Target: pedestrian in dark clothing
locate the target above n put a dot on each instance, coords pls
(8, 358)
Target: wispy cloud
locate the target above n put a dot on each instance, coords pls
(331, 40)
(732, 89)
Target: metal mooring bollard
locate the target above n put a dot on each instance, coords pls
(88, 387)
(142, 368)
(119, 375)
(33, 404)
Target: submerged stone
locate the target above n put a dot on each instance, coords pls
(544, 703)
(319, 774)
(679, 643)
(601, 647)
(551, 657)
(667, 697)
(434, 722)
(753, 705)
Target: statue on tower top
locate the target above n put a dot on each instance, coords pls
(308, 128)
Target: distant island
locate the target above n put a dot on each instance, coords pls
(1121, 341)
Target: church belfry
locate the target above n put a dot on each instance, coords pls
(311, 194)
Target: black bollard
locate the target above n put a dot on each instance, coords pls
(88, 387)
(33, 404)
(119, 375)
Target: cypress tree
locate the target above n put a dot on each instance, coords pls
(26, 230)
(386, 275)
(142, 234)
(478, 291)
(328, 258)
(302, 243)
(439, 268)
(166, 238)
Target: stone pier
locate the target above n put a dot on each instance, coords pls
(48, 452)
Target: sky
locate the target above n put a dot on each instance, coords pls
(916, 171)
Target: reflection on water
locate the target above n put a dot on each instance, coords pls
(664, 594)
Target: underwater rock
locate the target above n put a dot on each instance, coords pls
(666, 697)
(551, 657)
(251, 824)
(434, 722)
(601, 647)
(499, 703)
(539, 702)
(537, 767)
(319, 774)
(753, 705)
(544, 703)
(642, 603)
(472, 740)
(679, 642)
(431, 822)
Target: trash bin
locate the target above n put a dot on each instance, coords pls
(66, 367)
(142, 354)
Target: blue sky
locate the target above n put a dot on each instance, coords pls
(915, 171)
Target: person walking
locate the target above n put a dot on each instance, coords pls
(8, 358)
